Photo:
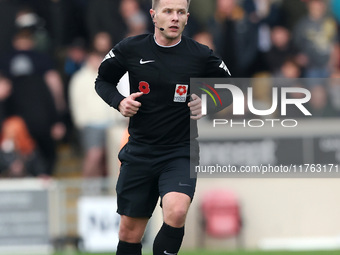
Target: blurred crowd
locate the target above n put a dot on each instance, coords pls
(50, 51)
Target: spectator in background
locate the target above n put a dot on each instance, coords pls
(334, 90)
(65, 21)
(202, 10)
(5, 92)
(319, 105)
(91, 116)
(134, 18)
(104, 16)
(315, 39)
(206, 38)
(281, 49)
(335, 8)
(37, 94)
(8, 9)
(234, 36)
(193, 26)
(75, 57)
(289, 69)
(77, 53)
(288, 76)
(26, 18)
(265, 14)
(102, 43)
(25, 60)
(292, 12)
(19, 156)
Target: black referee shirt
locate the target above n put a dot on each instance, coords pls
(163, 74)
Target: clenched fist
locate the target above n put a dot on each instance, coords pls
(129, 106)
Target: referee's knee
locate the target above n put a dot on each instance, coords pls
(175, 209)
(131, 230)
(175, 216)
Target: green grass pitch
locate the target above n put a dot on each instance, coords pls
(205, 252)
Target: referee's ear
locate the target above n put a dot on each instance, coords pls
(152, 14)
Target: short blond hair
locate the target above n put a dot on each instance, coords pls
(156, 2)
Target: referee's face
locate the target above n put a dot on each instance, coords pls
(170, 18)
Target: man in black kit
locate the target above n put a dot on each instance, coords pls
(156, 160)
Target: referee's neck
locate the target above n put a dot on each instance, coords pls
(166, 45)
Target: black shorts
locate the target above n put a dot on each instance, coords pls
(150, 171)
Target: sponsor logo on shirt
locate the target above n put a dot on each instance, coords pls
(181, 93)
(143, 62)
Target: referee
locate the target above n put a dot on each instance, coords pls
(156, 160)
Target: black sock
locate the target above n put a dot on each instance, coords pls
(125, 248)
(168, 240)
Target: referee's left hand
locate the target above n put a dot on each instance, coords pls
(195, 107)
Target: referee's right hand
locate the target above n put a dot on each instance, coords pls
(129, 106)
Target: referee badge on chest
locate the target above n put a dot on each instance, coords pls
(181, 93)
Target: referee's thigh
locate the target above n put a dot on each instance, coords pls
(175, 177)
